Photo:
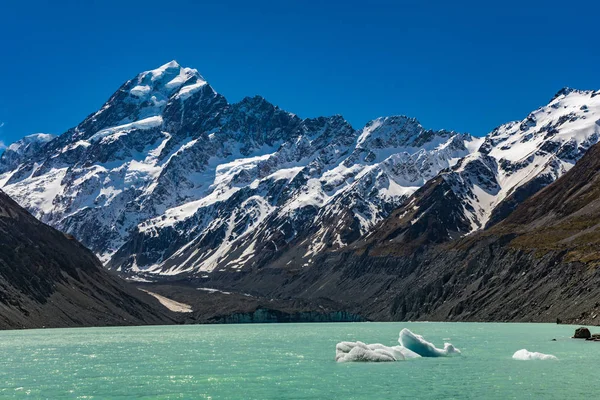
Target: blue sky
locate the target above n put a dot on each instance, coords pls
(467, 66)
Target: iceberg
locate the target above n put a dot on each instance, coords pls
(411, 346)
(359, 351)
(523, 354)
(417, 344)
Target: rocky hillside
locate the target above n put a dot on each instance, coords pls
(168, 177)
(48, 279)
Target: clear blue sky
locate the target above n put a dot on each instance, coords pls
(467, 66)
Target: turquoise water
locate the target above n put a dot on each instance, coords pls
(292, 361)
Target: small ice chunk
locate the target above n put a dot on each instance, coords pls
(359, 351)
(523, 354)
(420, 346)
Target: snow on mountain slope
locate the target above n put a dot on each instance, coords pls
(519, 158)
(19, 151)
(324, 205)
(168, 177)
(515, 161)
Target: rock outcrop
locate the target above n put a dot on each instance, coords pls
(582, 333)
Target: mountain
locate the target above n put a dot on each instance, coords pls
(48, 279)
(539, 264)
(168, 177)
(170, 182)
(476, 192)
(515, 161)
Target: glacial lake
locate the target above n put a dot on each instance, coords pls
(293, 361)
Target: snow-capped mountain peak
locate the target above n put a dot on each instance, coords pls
(168, 79)
(385, 136)
(396, 130)
(21, 145)
(168, 177)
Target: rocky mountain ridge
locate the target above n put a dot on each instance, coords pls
(514, 162)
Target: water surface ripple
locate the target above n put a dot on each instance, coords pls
(292, 361)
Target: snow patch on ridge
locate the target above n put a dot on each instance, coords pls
(111, 134)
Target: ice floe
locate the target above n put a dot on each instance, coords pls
(526, 355)
(359, 351)
(411, 346)
(422, 347)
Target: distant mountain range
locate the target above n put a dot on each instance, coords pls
(169, 181)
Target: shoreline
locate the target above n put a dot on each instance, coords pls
(306, 322)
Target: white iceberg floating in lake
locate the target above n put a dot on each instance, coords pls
(523, 354)
(411, 346)
(420, 346)
(359, 351)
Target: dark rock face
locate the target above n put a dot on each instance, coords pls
(432, 215)
(510, 203)
(48, 279)
(582, 333)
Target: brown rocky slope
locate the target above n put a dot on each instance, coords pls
(48, 279)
